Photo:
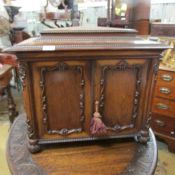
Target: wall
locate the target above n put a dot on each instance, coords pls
(164, 10)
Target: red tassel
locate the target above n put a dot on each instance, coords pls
(97, 125)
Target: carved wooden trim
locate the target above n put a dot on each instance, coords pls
(121, 66)
(156, 68)
(30, 130)
(89, 30)
(22, 73)
(61, 67)
(82, 46)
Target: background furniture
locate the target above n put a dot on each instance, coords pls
(137, 15)
(160, 29)
(5, 77)
(104, 158)
(67, 11)
(163, 119)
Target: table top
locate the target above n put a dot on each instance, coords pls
(6, 68)
(114, 157)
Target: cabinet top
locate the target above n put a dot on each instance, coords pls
(90, 30)
(83, 38)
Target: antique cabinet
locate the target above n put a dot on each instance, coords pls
(163, 120)
(77, 81)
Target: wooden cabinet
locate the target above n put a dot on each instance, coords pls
(163, 121)
(70, 76)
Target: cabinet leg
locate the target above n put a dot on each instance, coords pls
(143, 137)
(33, 146)
(11, 105)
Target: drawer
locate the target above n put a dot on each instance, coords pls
(163, 125)
(166, 77)
(165, 90)
(163, 107)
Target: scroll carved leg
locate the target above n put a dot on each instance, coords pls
(143, 137)
(11, 105)
(33, 146)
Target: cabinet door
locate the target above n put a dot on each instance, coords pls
(120, 87)
(61, 98)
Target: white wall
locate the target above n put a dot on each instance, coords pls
(164, 10)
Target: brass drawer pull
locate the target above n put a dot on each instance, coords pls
(165, 90)
(167, 77)
(160, 123)
(162, 106)
(173, 133)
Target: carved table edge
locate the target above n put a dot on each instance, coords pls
(20, 161)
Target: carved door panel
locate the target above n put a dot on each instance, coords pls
(63, 98)
(120, 88)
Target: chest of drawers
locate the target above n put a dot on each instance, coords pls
(87, 84)
(163, 121)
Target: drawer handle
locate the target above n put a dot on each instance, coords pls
(173, 133)
(162, 106)
(160, 123)
(167, 77)
(165, 90)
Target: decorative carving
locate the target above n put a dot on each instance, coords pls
(143, 136)
(33, 146)
(156, 69)
(118, 128)
(22, 73)
(61, 67)
(64, 131)
(30, 130)
(147, 126)
(122, 66)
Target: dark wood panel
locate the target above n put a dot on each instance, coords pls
(118, 89)
(63, 92)
(119, 95)
(63, 97)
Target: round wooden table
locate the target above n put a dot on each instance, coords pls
(112, 157)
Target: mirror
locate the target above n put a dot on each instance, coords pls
(120, 8)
